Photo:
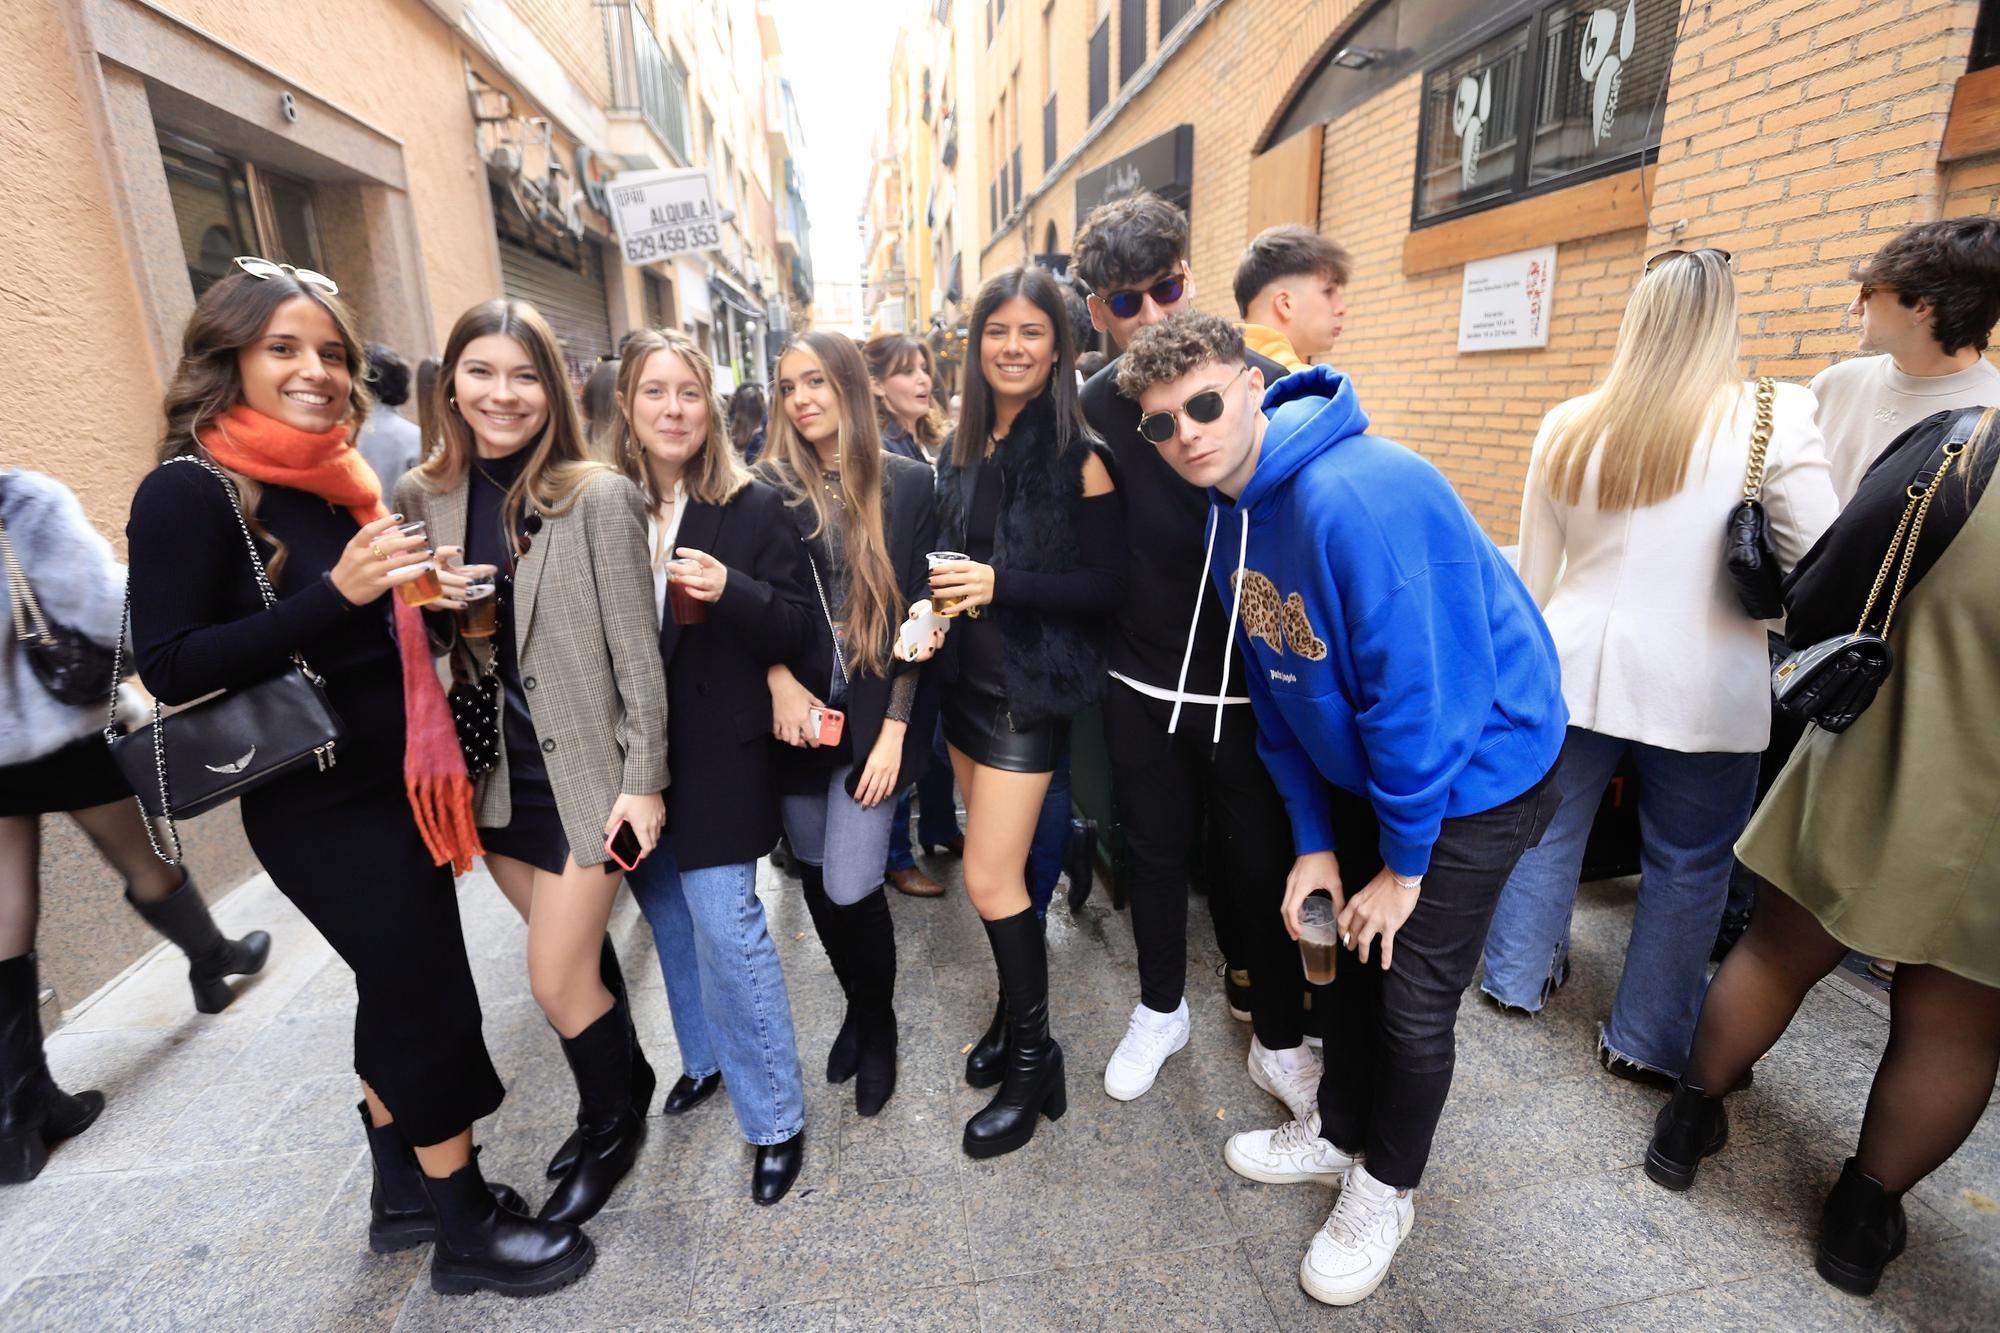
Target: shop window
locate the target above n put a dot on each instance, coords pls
(224, 208)
(1571, 91)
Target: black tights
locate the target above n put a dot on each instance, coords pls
(1944, 1039)
(121, 840)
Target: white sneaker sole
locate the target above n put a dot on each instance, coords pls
(1313, 1286)
(1251, 1169)
(1264, 1081)
(1136, 1094)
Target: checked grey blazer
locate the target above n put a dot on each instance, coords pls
(588, 636)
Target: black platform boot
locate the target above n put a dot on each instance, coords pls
(843, 1058)
(484, 1247)
(871, 944)
(644, 1081)
(1033, 1084)
(34, 1112)
(987, 1060)
(601, 1057)
(1691, 1126)
(212, 957)
(1861, 1229)
(400, 1214)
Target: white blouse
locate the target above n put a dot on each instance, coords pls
(661, 544)
(1655, 647)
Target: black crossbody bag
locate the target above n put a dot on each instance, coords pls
(1753, 565)
(209, 753)
(68, 662)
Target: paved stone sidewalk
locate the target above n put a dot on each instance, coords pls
(226, 1185)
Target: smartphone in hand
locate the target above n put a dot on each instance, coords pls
(623, 845)
(827, 724)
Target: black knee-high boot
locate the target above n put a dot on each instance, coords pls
(870, 939)
(643, 1079)
(611, 1132)
(212, 957)
(34, 1112)
(1033, 1084)
(844, 1057)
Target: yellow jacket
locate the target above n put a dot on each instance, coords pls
(1267, 341)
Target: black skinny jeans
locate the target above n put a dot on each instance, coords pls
(1390, 1045)
(1180, 797)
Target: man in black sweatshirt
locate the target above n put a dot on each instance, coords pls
(1186, 778)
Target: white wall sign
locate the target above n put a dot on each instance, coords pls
(660, 214)
(1505, 301)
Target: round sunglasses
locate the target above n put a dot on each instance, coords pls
(1165, 292)
(265, 268)
(1204, 407)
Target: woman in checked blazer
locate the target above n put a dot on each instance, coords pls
(583, 698)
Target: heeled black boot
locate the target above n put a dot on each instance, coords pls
(644, 1080)
(987, 1060)
(400, 1214)
(612, 1132)
(776, 1167)
(871, 946)
(484, 1247)
(34, 1112)
(1691, 1126)
(1861, 1229)
(843, 1058)
(1033, 1084)
(212, 957)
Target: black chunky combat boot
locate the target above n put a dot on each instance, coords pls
(484, 1247)
(400, 1214)
(1033, 1083)
(1861, 1229)
(1691, 1126)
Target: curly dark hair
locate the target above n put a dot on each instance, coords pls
(388, 375)
(1174, 346)
(1128, 241)
(1955, 265)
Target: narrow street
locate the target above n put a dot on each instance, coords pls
(226, 1185)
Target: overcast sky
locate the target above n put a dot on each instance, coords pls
(837, 58)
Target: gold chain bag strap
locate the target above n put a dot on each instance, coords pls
(1753, 565)
(69, 663)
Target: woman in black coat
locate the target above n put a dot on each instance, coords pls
(734, 599)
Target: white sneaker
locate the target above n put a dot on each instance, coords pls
(1151, 1037)
(1350, 1256)
(1292, 1152)
(1290, 1076)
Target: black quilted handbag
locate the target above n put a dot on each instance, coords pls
(69, 664)
(1753, 565)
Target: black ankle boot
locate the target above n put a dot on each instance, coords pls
(400, 1214)
(871, 946)
(1691, 1126)
(843, 1058)
(777, 1165)
(34, 1112)
(484, 1247)
(1079, 860)
(601, 1057)
(1861, 1229)
(212, 957)
(1033, 1084)
(644, 1080)
(987, 1060)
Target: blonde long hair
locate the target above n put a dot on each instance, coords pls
(714, 475)
(874, 600)
(1675, 370)
(559, 463)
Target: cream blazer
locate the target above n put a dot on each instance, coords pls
(1654, 645)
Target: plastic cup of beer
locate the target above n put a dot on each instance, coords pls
(944, 606)
(687, 609)
(1319, 939)
(424, 588)
(480, 616)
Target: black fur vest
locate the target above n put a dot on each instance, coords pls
(1055, 663)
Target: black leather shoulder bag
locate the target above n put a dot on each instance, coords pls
(68, 662)
(212, 752)
(1753, 565)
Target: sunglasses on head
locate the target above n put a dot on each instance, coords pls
(1164, 292)
(1204, 407)
(1665, 255)
(265, 268)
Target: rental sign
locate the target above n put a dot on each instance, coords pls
(661, 214)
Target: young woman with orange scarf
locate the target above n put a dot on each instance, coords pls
(268, 388)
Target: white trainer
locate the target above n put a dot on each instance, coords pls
(1290, 1076)
(1350, 1256)
(1292, 1152)
(1149, 1039)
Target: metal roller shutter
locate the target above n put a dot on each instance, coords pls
(572, 301)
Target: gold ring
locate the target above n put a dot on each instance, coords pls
(375, 548)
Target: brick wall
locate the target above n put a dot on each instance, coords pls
(574, 34)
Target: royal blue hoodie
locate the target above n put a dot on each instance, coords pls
(1393, 651)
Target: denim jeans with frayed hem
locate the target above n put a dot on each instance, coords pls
(1692, 808)
(725, 990)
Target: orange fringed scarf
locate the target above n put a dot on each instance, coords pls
(267, 450)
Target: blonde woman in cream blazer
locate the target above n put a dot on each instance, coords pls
(1659, 659)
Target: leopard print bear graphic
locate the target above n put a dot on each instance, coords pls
(1274, 619)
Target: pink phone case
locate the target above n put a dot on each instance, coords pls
(831, 723)
(611, 851)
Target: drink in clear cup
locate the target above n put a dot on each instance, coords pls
(424, 588)
(1319, 939)
(944, 606)
(685, 607)
(480, 616)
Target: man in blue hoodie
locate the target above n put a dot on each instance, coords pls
(1392, 653)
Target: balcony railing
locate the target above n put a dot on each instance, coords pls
(645, 77)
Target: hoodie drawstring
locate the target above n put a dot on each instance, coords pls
(1180, 685)
(1235, 602)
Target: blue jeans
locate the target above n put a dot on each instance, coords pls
(1046, 852)
(1692, 808)
(725, 990)
(937, 810)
